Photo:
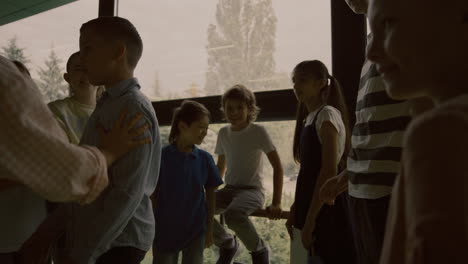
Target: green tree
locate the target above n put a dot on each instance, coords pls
(51, 82)
(13, 52)
(241, 45)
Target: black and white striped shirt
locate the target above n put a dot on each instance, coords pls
(376, 139)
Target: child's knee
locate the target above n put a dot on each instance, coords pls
(234, 217)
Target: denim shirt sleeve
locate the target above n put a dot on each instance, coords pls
(128, 178)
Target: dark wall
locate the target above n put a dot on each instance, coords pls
(348, 50)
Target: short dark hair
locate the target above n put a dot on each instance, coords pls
(21, 67)
(241, 93)
(118, 29)
(188, 112)
(70, 59)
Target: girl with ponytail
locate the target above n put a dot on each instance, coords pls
(321, 141)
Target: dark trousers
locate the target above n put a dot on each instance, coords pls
(13, 258)
(368, 219)
(333, 234)
(8, 258)
(122, 255)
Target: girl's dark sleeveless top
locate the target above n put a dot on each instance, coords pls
(310, 153)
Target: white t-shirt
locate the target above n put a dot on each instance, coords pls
(332, 115)
(72, 117)
(243, 151)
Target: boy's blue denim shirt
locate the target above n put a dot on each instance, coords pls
(122, 216)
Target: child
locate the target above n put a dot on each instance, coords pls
(240, 146)
(184, 218)
(73, 112)
(374, 159)
(420, 48)
(119, 226)
(321, 138)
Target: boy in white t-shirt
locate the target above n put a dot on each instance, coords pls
(73, 112)
(239, 147)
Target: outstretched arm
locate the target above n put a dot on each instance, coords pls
(211, 203)
(333, 187)
(221, 164)
(274, 210)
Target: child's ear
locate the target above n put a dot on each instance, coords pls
(120, 51)
(182, 125)
(66, 76)
(323, 82)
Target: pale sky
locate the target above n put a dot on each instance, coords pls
(174, 36)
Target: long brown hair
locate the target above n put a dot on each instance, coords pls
(331, 94)
(188, 112)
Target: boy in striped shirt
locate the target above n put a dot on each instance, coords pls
(374, 160)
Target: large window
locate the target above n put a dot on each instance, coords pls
(198, 48)
(45, 41)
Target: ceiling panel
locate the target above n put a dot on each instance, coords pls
(13, 10)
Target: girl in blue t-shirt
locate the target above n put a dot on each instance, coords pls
(184, 198)
(321, 142)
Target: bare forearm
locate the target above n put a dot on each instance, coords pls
(316, 204)
(277, 187)
(221, 165)
(210, 201)
(275, 162)
(343, 181)
(222, 171)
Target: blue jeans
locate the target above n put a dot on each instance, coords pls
(192, 254)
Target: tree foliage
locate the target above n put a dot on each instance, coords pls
(12, 51)
(241, 45)
(51, 82)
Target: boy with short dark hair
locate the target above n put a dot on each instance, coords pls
(119, 226)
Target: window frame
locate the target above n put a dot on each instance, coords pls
(349, 37)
